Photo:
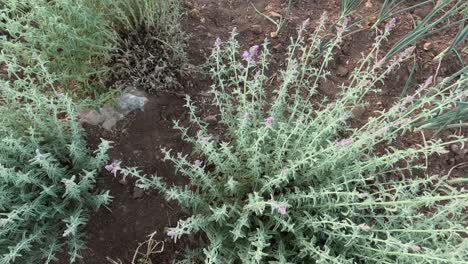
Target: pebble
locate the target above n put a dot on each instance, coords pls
(273, 34)
(138, 192)
(427, 46)
(454, 148)
(123, 181)
(257, 29)
(211, 119)
(342, 71)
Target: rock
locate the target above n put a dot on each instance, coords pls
(206, 93)
(129, 102)
(123, 181)
(369, 4)
(108, 124)
(211, 119)
(92, 117)
(454, 148)
(342, 71)
(427, 46)
(273, 34)
(138, 192)
(358, 112)
(257, 29)
(275, 14)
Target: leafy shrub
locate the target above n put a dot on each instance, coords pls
(67, 38)
(291, 181)
(47, 175)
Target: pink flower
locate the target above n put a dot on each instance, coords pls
(280, 208)
(204, 140)
(114, 167)
(269, 121)
(390, 25)
(250, 55)
(218, 42)
(198, 163)
(246, 55)
(344, 142)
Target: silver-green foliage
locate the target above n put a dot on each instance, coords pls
(292, 181)
(47, 175)
(68, 38)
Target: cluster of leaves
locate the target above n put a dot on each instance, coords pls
(80, 41)
(47, 175)
(291, 181)
(67, 38)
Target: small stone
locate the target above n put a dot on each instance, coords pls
(372, 20)
(108, 124)
(211, 119)
(205, 93)
(342, 71)
(273, 34)
(277, 47)
(369, 4)
(92, 117)
(138, 192)
(195, 13)
(427, 46)
(257, 29)
(123, 181)
(358, 111)
(454, 148)
(275, 14)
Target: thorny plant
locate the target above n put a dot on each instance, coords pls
(47, 176)
(290, 181)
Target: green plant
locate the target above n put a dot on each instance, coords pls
(67, 39)
(47, 176)
(290, 181)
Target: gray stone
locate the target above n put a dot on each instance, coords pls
(138, 192)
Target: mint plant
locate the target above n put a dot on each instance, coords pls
(47, 176)
(291, 181)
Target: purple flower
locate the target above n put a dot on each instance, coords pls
(171, 232)
(254, 51)
(204, 140)
(344, 142)
(269, 121)
(114, 167)
(250, 55)
(198, 163)
(280, 208)
(390, 25)
(218, 42)
(246, 55)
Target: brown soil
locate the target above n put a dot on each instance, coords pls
(116, 231)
